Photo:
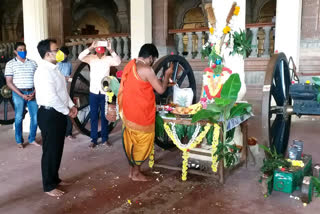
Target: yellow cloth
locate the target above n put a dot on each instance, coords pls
(137, 145)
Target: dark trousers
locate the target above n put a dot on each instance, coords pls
(53, 128)
(69, 127)
(97, 104)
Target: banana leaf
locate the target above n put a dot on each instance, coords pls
(231, 87)
(180, 130)
(209, 136)
(190, 131)
(159, 129)
(204, 114)
(240, 109)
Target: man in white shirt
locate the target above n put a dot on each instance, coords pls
(55, 104)
(99, 68)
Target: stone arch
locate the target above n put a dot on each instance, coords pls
(257, 8)
(106, 9)
(91, 12)
(182, 8)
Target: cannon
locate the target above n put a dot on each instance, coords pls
(282, 98)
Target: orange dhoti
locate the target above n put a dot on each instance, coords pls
(137, 110)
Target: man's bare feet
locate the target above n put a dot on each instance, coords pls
(55, 193)
(139, 177)
(136, 175)
(65, 183)
(34, 143)
(20, 145)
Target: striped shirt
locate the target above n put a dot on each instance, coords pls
(22, 72)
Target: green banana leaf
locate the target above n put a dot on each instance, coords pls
(214, 107)
(209, 136)
(190, 131)
(231, 87)
(240, 109)
(205, 114)
(159, 129)
(180, 130)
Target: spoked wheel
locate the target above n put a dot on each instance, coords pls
(6, 103)
(79, 93)
(183, 76)
(276, 104)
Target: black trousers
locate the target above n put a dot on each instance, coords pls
(53, 126)
(69, 127)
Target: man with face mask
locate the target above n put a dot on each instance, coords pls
(137, 107)
(19, 74)
(55, 105)
(99, 68)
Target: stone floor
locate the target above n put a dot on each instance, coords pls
(101, 184)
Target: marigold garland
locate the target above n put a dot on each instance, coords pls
(110, 95)
(185, 148)
(151, 158)
(215, 142)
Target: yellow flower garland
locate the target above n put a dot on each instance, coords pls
(151, 158)
(110, 95)
(185, 150)
(215, 142)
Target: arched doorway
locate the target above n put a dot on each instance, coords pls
(193, 18)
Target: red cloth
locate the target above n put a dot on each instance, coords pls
(136, 97)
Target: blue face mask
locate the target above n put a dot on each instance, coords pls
(22, 54)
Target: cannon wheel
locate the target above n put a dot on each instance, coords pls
(79, 93)
(6, 103)
(276, 104)
(183, 76)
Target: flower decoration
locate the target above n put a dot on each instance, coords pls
(185, 148)
(151, 158)
(119, 74)
(226, 29)
(215, 142)
(211, 30)
(236, 11)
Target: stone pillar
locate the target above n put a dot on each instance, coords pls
(266, 44)
(141, 24)
(180, 43)
(189, 45)
(35, 25)
(199, 45)
(125, 48)
(161, 24)
(254, 42)
(59, 19)
(288, 33)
